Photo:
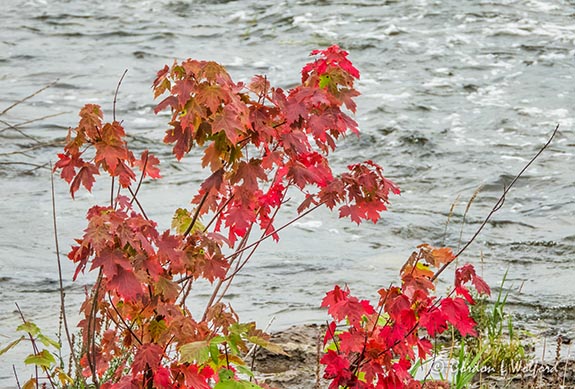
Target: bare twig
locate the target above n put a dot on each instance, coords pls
(35, 165)
(29, 97)
(60, 278)
(16, 377)
(32, 148)
(116, 94)
(497, 205)
(18, 125)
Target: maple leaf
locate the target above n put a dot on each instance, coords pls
(249, 173)
(90, 120)
(239, 218)
(81, 255)
(197, 378)
(148, 355)
(170, 251)
(342, 306)
(170, 101)
(68, 166)
(85, 177)
(259, 85)
(334, 364)
(457, 313)
(148, 165)
(109, 156)
(113, 261)
(467, 273)
(228, 122)
(212, 96)
(168, 289)
(183, 89)
(350, 342)
(126, 285)
(182, 136)
(162, 378)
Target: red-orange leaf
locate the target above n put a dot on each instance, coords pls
(85, 177)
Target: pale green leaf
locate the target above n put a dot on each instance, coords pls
(29, 327)
(195, 352)
(46, 341)
(11, 345)
(43, 359)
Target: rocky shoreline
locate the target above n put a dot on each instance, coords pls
(300, 369)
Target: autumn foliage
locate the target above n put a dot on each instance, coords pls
(380, 344)
(258, 142)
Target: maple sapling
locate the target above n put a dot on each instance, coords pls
(259, 142)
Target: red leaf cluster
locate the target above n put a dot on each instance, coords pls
(110, 153)
(379, 344)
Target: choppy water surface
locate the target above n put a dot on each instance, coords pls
(455, 95)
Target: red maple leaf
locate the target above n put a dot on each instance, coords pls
(196, 378)
(457, 313)
(229, 122)
(249, 172)
(182, 136)
(85, 177)
(467, 273)
(342, 306)
(212, 96)
(162, 378)
(148, 355)
(126, 285)
(148, 164)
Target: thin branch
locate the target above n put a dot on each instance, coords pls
(116, 94)
(16, 377)
(134, 198)
(135, 193)
(60, 278)
(497, 205)
(257, 242)
(36, 352)
(196, 214)
(37, 166)
(29, 97)
(129, 328)
(19, 131)
(32, 148)
(16, 126)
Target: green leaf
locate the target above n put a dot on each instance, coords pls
(11, 345)
(181, 220)
(214, 349)
(157, 328)
(245, 370)
(43, 359)
(225, 375)
(46, 341)
(195, 352)
(29, 327)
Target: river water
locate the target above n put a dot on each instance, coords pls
(456, 95)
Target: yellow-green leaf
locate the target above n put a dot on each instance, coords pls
(29, 327)
(46, 341)
(195, 352)
(11, 345)
(43, 359)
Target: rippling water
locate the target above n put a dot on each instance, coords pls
(455, 95)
